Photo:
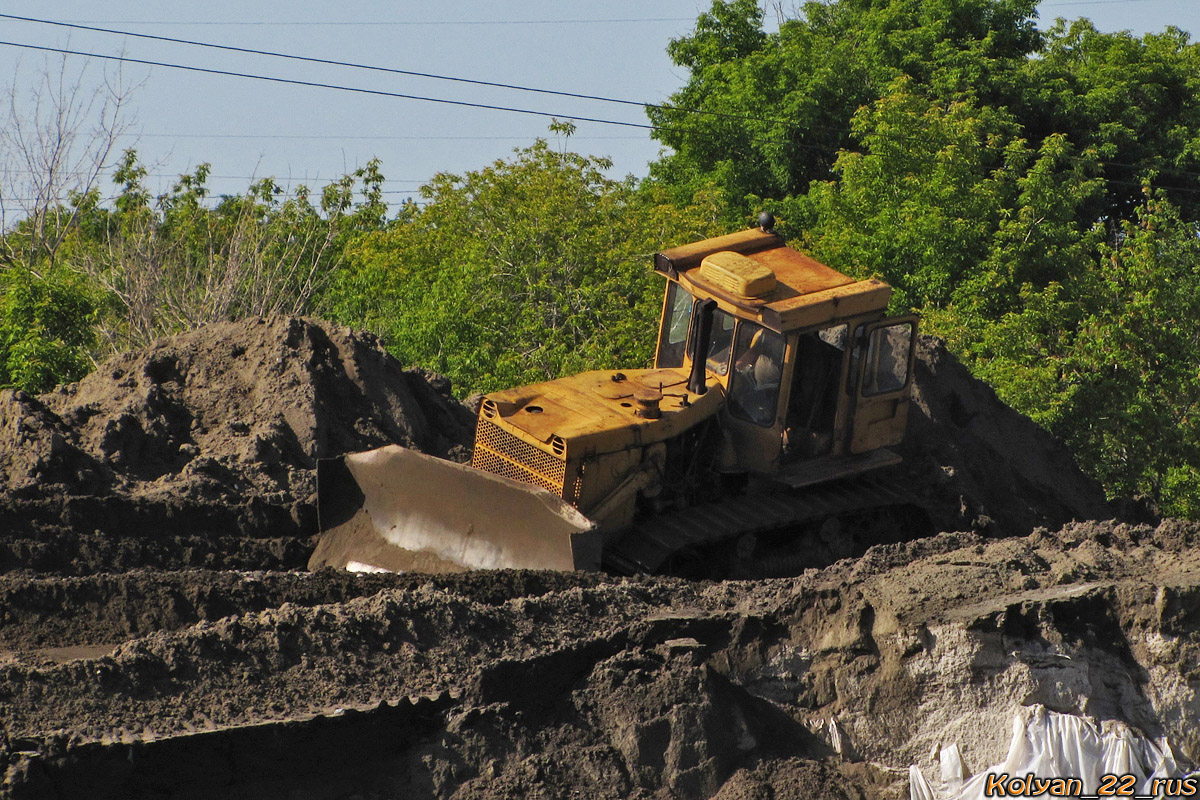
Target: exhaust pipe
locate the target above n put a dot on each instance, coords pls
(697, 384)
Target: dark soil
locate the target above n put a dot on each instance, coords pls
(157, 638)
(527, 684)
(200, 450)
(1008, 474)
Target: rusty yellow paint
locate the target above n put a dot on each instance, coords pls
(737, 274)
(828, 306)
(679, 259)
(591, 413)
(582, 437)
(731, 270)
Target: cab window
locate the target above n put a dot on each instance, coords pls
(720, 342)
(887, 359)
(758, 370)
(678, 316)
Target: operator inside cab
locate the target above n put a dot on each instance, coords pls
(754, 390)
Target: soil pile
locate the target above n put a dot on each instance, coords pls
(999, 470)
(153, 642)
(215, 432)
(508, 684)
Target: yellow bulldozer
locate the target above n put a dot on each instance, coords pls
(777, 388)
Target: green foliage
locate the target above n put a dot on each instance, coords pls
(528, 269)
(783, 102)
(182, 260)
(1133, 414)
(118, 277)
(994, 175)
(46, 328)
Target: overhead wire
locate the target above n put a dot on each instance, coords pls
(414, 73)
(446, 101)
(398, 95)
(321, 85)
(369, 137)
(388, 70)
(377, 23)
(492, 84)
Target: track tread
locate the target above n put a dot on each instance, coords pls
(652, 541)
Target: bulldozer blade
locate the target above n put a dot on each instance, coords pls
(398, 510)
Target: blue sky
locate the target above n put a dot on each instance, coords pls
(297, 134)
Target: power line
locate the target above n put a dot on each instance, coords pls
(403, 96)
(314, 60)
(410, 73)
(338, 87)
(485, 106)
(392, 22)
(389, 70)
(387, 137)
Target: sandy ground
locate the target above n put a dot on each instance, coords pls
(158, 637)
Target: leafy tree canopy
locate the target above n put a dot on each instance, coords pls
(779, 107)
(1036, 195)
(529, 269)
(46, 328)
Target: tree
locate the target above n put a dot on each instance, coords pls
(183, 260)
(994, 175)
(56, 135)
(46, 328)
(779, 106)
(56, 138)
(528, 269)
(1134, 412)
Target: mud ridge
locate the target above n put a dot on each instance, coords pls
(157, 637)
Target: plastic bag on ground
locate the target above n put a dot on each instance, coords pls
(1050, 745)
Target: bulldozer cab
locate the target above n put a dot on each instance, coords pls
(816, 377)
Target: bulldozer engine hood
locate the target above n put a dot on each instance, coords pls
(602, 411)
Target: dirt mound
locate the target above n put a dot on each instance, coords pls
(519, 684)
(247, 407)
(998, 468)
(212, 432)
(195, 457)
(39, 453)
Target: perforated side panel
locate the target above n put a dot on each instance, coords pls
(499, 452)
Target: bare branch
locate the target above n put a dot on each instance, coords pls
(57, 135)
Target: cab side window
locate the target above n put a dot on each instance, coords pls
(758, 361)
(720, 342)
(673, 342)
(887, 359)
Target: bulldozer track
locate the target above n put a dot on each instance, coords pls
(653, 542)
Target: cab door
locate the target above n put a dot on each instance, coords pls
(881, 372)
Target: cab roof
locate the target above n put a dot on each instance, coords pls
(804, 293)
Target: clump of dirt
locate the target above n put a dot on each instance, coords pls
(508, 684)
(40, 453)
(997, 468)
(215, 431)
(135, 660)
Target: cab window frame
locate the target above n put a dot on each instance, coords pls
(679, 305)
(743, 387)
